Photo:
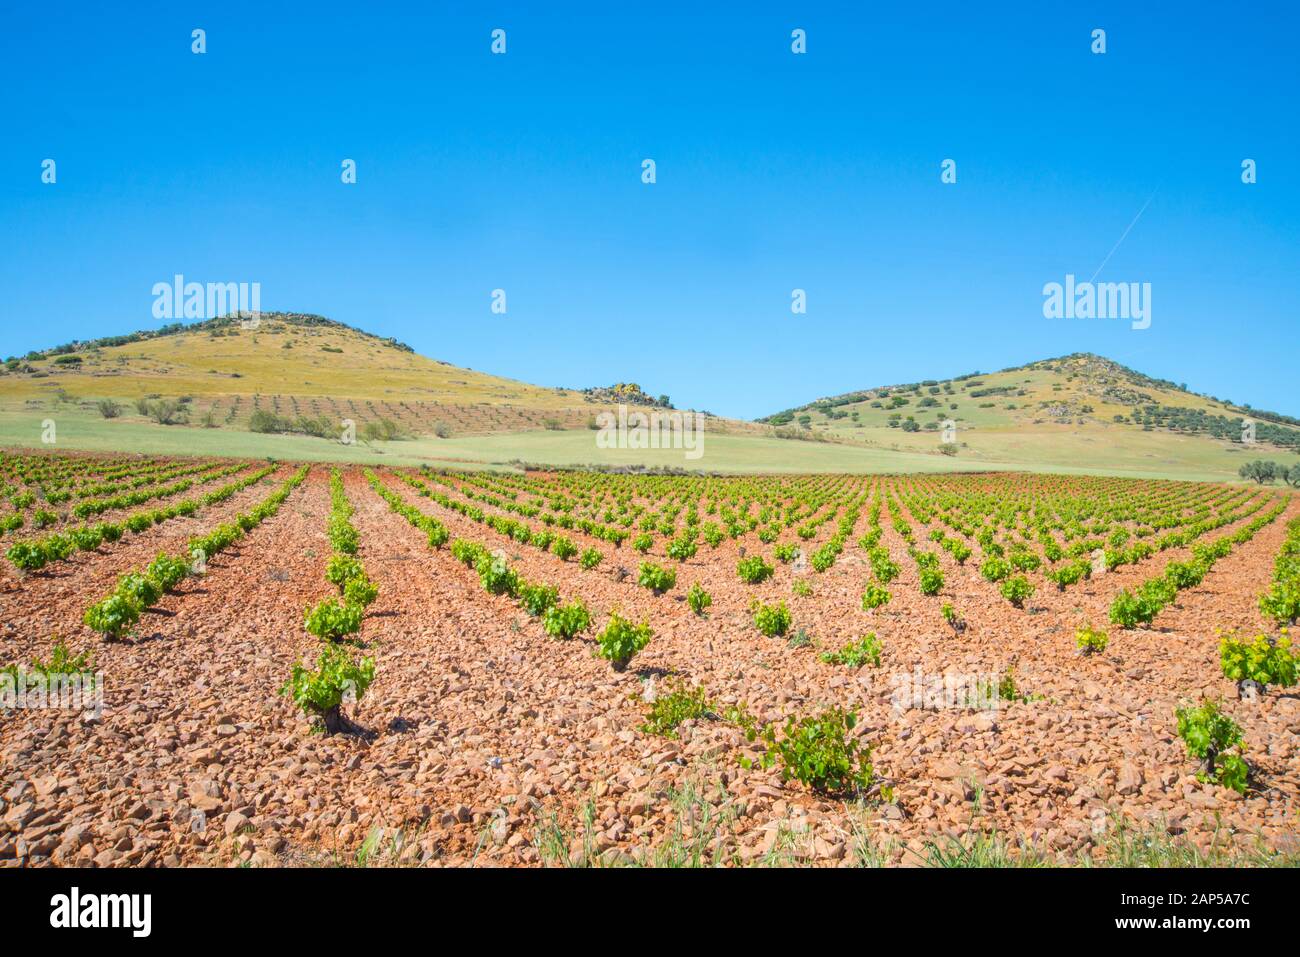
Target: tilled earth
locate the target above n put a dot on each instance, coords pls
(490, 743)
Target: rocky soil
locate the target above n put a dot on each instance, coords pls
(491, 744)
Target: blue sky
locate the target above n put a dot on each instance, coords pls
(775, 172)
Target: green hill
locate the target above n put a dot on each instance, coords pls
(283, 388)
(1079, 409)
(222, 385)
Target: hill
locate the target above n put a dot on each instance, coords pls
(287, 373)
(291, 365)
(1078, 409)
(221, 387)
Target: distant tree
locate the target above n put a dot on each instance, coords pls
(264, 421)
(1259, 470)
(380, 430)
(166, 412)
(1292, 477)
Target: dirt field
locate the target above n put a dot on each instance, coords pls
(483, 740)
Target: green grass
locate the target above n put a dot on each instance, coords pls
(88, 432)
(1136, 455)
(1112, 449)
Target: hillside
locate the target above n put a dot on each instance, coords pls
(293, 372)
(292, 363)
(284, 388)
(1080, 409)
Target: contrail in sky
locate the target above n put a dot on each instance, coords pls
(1122, 238)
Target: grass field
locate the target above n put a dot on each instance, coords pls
(1140, 455)
(1097, 446)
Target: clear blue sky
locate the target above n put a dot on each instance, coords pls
(775, 171)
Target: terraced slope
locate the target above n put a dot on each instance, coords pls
(291, 366)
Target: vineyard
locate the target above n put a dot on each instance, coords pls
(306, 664)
